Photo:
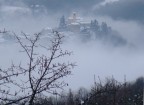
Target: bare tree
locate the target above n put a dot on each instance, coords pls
(43, 73)
(104, 92)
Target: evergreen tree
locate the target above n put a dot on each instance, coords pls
(94, 26)
(104, 28)
(82, 93)
(62, 24)
(70, 98)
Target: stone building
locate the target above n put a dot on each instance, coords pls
(75, 23)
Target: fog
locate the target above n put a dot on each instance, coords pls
(92, 57)
(105, 62)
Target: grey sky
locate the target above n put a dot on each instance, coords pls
(123, 9)
(56, 5)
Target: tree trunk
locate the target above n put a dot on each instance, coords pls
(32, 99)
(143, 94)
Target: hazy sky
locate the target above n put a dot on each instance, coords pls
(123, 9)
(124, 16)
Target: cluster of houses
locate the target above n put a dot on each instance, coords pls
(91, 30)
(73, 23)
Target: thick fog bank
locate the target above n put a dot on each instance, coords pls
(91, 59)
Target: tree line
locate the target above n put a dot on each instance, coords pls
(108, 92)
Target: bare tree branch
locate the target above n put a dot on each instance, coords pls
(43, 74)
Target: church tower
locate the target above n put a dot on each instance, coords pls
(74, 17)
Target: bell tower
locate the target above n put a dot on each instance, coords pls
(74, 16)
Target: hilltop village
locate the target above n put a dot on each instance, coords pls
(77, 24)
(90, 30)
